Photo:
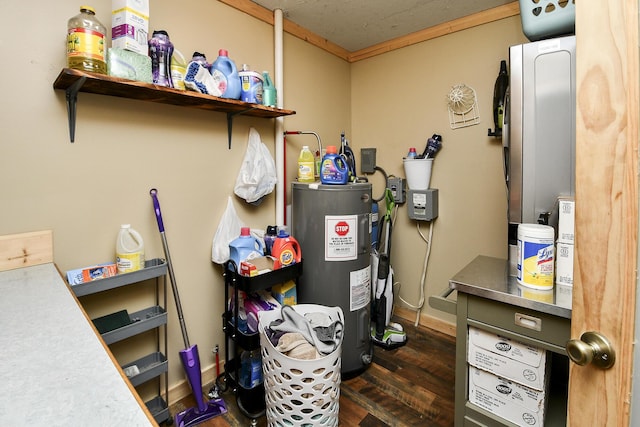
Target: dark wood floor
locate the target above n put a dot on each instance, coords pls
(409, 386)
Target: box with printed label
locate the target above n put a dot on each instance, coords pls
(513, 360)
(507, 399)
(564, 263)
(130, 25)
(566, 220)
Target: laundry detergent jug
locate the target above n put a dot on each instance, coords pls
(285, 250)
(225, 67)
(333, 169)
(245, 247)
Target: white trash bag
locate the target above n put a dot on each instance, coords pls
(257, 176)
(228, 229)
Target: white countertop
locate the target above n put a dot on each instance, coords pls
(54, 370)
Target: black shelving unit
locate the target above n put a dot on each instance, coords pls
(154, 365)
(250, 400)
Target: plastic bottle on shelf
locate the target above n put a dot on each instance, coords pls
(225, 67)
(412, 153)
(250, 368)
(86, 47)
(161, 51)
(245, 247)
(306, 163)
(269, 92)
(286, 250)
(178, 69)
(270, 238)
(129, 250)
(333, 169)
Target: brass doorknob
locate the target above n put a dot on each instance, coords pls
(592, 347)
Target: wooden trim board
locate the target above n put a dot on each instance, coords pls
(26, 249)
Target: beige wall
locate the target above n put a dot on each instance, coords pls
(84, 191)
(399, 100)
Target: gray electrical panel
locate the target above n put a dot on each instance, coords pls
(422, 205)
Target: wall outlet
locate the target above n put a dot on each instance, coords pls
(367, 160)
(397, 187)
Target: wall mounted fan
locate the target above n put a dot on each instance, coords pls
(463, 106)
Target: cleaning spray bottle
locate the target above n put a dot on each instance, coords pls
(285, 250)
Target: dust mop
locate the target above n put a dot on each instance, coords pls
(189, 356)
(384, 333)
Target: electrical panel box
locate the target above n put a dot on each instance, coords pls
(397, 187)
(423, 204)
(368, 160)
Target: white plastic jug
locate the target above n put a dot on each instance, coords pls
(129, 250)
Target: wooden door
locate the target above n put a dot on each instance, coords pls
(606, 254)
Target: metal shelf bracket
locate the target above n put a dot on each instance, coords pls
(72, 100)
(230, 117)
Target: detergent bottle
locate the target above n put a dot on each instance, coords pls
(306, 163)
(245, 247)
(269, 92)
(129, 250)
(333, 169)
(227, 68)
(285, 250)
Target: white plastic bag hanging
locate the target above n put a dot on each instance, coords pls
(257, 176)
(228, 229)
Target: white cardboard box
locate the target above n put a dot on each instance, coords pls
(564, 263)
(566, 220)
(564, 295)
(130, 25)
(513, 360)
(507, 399)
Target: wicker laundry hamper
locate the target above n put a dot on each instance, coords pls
(300, 392)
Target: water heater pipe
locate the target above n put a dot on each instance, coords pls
(279, 127)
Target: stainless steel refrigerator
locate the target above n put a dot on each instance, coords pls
(332, 223)
(539, 132)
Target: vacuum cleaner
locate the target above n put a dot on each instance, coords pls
(384, 333)
(189, 356)
(499, 93)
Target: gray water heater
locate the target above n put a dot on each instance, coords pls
(332, 223)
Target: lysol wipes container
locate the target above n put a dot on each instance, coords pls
(535, 256)
(129, 250)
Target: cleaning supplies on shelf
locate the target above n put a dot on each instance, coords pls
(86, 47)
(269, 92)
(306, 163)
(245, 247)
(251, 85)
(160, 51)
(333, 169)
(286, 250)
(270, 238)
(178, 69)
(226, 68)
(129, 250)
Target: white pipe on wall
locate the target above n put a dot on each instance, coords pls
(279, 128)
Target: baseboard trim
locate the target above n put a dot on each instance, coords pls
(182, 389)
(426, 320)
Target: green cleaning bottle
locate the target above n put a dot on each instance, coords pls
(269, 93)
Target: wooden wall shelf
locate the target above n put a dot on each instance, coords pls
(74, 81)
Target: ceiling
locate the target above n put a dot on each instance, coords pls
(358, 24)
